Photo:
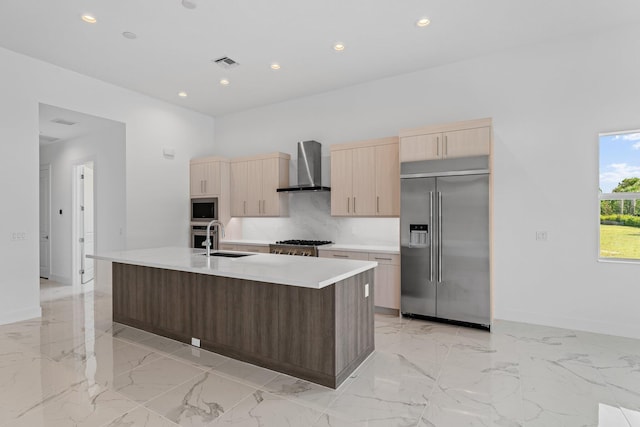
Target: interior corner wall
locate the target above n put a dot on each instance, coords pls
(157, 189)
(548, 103)
(106, 148)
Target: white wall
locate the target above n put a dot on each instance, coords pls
(154, 184)
(106, 148)
(548, 102)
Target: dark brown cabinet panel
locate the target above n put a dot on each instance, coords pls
(320, 335)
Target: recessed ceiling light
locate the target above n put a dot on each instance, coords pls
(338, 46)
(182, 94)
(129, 35)
(423, 22)
(224, 82)
(89, 19)
(275, 66)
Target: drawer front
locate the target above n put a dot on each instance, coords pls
(253, 248)
(362, 256)
(227, 247)
(393, 259)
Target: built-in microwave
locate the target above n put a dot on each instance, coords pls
(204, 209)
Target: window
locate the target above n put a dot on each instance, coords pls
(620, 196)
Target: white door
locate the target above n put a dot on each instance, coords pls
(87, 224)
(45, 212)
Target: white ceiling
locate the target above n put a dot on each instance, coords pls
(84, 124)
(175, 45)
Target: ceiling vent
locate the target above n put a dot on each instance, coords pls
(226, 62)
(64, 122)
(44, 139)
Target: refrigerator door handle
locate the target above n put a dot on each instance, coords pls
(431, 260)
(439, 237)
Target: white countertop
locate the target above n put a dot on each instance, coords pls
(361, 248)
(291, 270)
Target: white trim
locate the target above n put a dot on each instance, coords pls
(619, 196)
(623, 330)
(19, 315)
(622, 132)
(48, 168)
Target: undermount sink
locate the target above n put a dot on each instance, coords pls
(228, 254)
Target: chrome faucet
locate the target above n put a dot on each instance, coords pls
(207, 242)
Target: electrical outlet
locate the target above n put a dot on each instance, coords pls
(16, 236)
(195, 342)
(541, 236)
(366, 290)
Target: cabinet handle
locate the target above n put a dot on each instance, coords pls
(205, 185)
(348, 209)
(201, 186)
(437, 146)
(244, 207)
(446, 145)
(354, 204)
(383, 259)
(340, 256)
(378, 204)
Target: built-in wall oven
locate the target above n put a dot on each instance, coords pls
(204, 210)
(199, 237)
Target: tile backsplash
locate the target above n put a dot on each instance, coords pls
(310, 218)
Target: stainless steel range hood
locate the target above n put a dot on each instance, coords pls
(309, 168)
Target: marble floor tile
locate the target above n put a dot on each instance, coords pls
(74, 366)
(252, 375)
(140, 417)
(198, 357)
(200, 401)
(81, 406)
(148, 381)
(262, 409)
(304, 392)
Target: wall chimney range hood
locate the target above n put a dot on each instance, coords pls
(309, 168)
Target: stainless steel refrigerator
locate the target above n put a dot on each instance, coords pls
(444, 238)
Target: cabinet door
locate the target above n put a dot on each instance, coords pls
(254, 188)
(387, 180)
(238, 172)
(341, 182)
(421, 147)
(364, 181)
(196, 172)
(270, 184)
(211, 177)
(467, 142)
(387, 280)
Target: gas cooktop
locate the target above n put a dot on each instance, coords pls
(304, 242)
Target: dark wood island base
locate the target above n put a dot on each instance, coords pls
(320, 335)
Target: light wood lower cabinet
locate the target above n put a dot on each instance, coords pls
(387, 274)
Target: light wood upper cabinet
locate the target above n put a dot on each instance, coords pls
(468, 142)
(205, 176)
(254, 181)
(239, 188)
(387, 180)
(341, 182)
(365, 178)
(364, 181)
(462, 139)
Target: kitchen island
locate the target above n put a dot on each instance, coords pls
(307, 317)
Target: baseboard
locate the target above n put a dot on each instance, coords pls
(629, 330)
(19, 315)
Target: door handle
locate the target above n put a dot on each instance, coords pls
(431, 260)
(439, 237)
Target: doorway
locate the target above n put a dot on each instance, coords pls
(45, 221)
(84, 221)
